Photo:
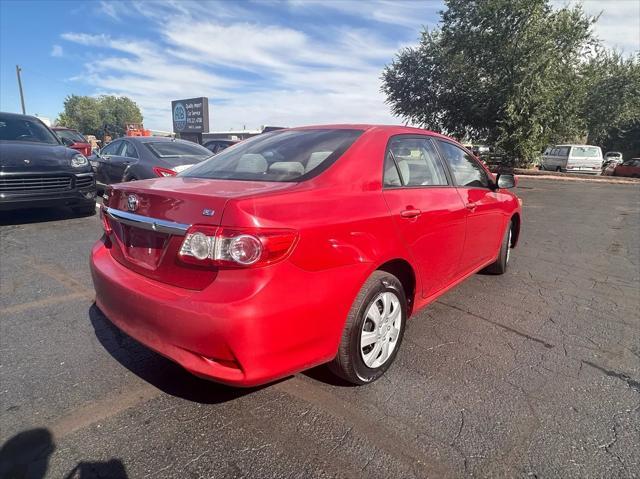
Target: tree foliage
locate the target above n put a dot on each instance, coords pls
(510, 72)
(99, 116)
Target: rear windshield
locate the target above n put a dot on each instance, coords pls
(172, 149)
(285, 155)
(25, 129)
(586, 151)
(70, 135)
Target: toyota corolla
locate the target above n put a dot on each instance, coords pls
(300, 247)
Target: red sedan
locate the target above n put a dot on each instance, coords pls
(299, 247)
(73, 139)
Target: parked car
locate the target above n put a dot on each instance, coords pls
(630, 168)
(300, 247)
(572, 159)
(140, 157)
(73, 139)
(37, 170)
(610, 161)
(216, 146)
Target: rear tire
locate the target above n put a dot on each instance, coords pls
(501, 264)
(377, 317)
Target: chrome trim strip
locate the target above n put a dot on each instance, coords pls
(146, 222)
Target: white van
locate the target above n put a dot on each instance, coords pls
(572, 159)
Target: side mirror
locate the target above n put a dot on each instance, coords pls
(506, 180)
(67, 141)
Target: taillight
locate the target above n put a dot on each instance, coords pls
(163, 171)
(206, 245)
(105, 221)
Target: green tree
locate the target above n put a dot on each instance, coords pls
(612, 101)
(99, 115)
(502, 71)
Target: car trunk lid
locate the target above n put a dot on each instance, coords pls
(148, 221)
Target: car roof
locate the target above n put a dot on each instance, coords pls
(148, 139)
(19, 115)
(575, 144)
(367, 127)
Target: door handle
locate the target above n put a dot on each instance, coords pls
(471, 206)
(412, 213)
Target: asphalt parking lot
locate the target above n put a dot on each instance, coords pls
(532, 374)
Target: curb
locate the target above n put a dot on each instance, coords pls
(543, 175)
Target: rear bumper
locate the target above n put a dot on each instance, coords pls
(585, 171)
(247, 328)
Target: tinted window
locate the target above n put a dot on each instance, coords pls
(163, 149)
(112, 148)
(70, 135)
(466, 170)
(283, 155)
(24, 129)
(563, 151)
(129, 150)
(413, 162)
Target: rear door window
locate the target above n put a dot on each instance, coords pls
(413, 161)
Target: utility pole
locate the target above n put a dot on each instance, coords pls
(18, 70)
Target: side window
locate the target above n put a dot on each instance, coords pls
(466, 170)
(129, 150)
(564, 151)
(112, 148)
(412, 161)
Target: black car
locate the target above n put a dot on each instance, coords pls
(37, 170)
(216, 146)
(141, 157)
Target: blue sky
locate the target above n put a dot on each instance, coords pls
(260, 62)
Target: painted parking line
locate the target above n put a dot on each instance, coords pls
(41, 303)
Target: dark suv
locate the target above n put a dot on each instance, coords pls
(37, 170)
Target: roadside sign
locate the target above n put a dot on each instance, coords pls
(190, 115)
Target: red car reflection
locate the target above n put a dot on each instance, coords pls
(73, 139)
(299, 247)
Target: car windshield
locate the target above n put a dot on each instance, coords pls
(25, 129)
(71, 135)
(283, 155)
(585, 151)
(168, 149)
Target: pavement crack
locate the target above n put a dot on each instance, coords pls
(632, 383)
(459, 429)
(503, 326)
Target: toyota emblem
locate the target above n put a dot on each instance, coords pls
(132, 202)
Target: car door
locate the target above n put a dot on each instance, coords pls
(103, 160)
(485, 218)
(120, 161)
(427, 210)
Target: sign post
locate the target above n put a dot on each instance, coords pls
(191, 118)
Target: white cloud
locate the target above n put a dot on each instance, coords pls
(253, 73)
(258, 69)
(57, 51)
(618, 25)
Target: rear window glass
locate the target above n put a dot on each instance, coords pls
(70, 135)
(586, 151)
(166, 149)
(285, 155)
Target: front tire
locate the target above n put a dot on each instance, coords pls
(373, 331)
(501, 264)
